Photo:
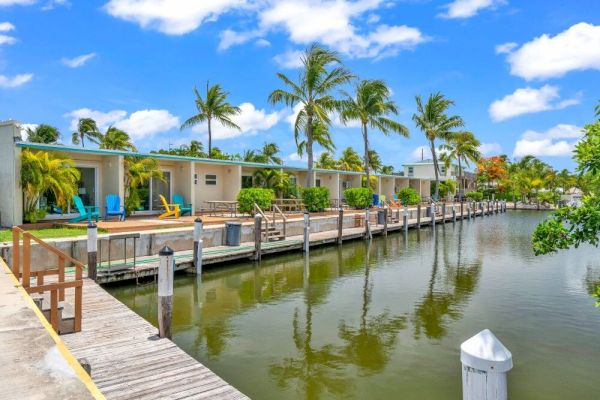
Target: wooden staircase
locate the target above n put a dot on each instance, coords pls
(50, 296)
(270, 232)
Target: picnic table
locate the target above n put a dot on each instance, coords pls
(290, 205)
(215, 206)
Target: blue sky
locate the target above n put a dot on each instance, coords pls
(524, 74)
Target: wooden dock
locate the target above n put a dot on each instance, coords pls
(128, 360)
(147, 266)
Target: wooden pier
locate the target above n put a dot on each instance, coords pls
(147, 266)
(128, 360)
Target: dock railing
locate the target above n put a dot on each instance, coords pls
(22, 271)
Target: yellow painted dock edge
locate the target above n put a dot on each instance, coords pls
(71, 360)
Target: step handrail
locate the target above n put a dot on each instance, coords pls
(57, 290)
(284, 218)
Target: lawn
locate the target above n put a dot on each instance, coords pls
(47, 233)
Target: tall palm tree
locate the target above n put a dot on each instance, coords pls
(327, 161)
(269, 152)
(371, 105)
(431, 118)
(374, 161)
(116, 139)
(350, 160)
(43, 133)
(462, 147)
(213, 106)
(86, 128)
(312, 91)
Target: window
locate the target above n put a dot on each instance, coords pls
(195, 179)
(246, 182)
(318, 183)
(411, 171)
(443, 171)
(293, 181)
(210, 179)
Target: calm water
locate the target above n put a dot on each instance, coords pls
(385, 319)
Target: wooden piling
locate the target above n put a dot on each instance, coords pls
(165, 292)
(385, 221)
(340, 225)
(306, 246)
(92, 251)
(197, 252)
(257, 236)
(419, 216)
(444, 213)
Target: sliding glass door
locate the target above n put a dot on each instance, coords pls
(161, 187)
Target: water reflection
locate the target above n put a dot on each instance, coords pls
(449, 288)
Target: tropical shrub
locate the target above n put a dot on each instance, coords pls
(474, 196)
(315, 198)
(247, 197)
(447, 188)
(408, 196)
(42, 172)
(358, 197)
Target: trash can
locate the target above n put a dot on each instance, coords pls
(428, 211)
(380, 217)
(233, 233)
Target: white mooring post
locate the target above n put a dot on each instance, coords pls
(485, 363)
(405, 219)
(198, 246)
(432, 214)
(306, 232)
(165, 291)
(92, 250)
(453, 213)
(469, 211)
(368, 234)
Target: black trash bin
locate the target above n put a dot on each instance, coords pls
(380, 217)
(233, 233)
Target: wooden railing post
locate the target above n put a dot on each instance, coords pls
(54, 309)
(16, 252)
(26, 261)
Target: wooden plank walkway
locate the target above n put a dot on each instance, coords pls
(129, 361)
(147, 266)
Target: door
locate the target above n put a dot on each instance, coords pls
(161, 187)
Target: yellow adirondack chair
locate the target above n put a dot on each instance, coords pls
(171, 210)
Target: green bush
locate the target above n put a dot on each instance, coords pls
(447, 188)
(315, 198)
(408, 196)
(474, 196)
(358, 197)
(35, 215)
(247, 197)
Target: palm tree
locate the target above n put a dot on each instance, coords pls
(274, 179)
(462, 147)
(327, 161)
(350, 160)
(597, 110)
(387, 169)
(43, 133)
(138, 172)
(374, 161)
(44, 171)
(313, 93)
(86, 128)
(116, 139)
(371, 105)
(269, 154)
(213, 106)
(431, 118)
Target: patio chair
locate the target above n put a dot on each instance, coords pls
(375, 200)
(85, 212)
(394, 201)
(171, 210)
(113, 207)
(183, 207)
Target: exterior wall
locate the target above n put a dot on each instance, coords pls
(183, 181)
(401, 183)
(415, 184)
(427, 171)
(425, 189)
(353, 181)
(229, 183)
(112, 175)
(232, 179)
(387, 186)
(330, 181)
(11, 202)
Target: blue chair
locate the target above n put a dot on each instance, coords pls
(113, 207)
(85, 212)
(183, 207)
(375, 200)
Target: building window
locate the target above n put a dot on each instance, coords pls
(318, 183)
(293, 181)
(210, 179)
(443, 171)
(246, 181)
(411, 171)
(195, 179)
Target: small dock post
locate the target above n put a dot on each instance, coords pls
(198, 246)
(385, 221)
(306, 246)
(368, 234)
(340, 225)
(257, 236)
(485, 364)
(443, 212)
(488, 207)
(481, 208)
(462, 212)
(419, 216)
(405, 220)
(92, 251)
(453, 213)
(165, 291)
(433, 215)
(469, 211)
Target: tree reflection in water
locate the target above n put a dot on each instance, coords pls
(449, 288)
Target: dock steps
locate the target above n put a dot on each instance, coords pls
(66, 313)
(273, 234)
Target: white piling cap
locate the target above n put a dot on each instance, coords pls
(485, 352)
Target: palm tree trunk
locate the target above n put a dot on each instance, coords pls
(310, 179)
(366, 140)
(461, 185)
(435, 169)
(82, 140)
(209, 139)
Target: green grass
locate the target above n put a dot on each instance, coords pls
(47, 233)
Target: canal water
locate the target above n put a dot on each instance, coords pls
(384, 319)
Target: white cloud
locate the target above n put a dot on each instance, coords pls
(557, 141)
(490, 148)
(139, 124)
(6, 27)
(7, 82)
(575, 49)
(262, 43)
(230, 38)
(4, 3)
(468, 8)
(289, 59)
(173, 17)
(528, 100)
(24, 128)
(5, 39)
(506, 48)
(304, 158)
(251, 121)
(78, 61)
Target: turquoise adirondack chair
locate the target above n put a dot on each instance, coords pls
(113, 207)
(85, 212)
(183, 207)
